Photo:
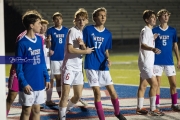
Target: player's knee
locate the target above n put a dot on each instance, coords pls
(154, 86)
(10, 99)
(36, 111)
(26, 112)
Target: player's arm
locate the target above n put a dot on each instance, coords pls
(81, 43)
(19, 70)
(107, 57)
(71, 49)
(48, 41)
(176, 51)
(146, 47)
(70, 41)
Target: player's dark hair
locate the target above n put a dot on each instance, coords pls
(147, 14)
(30, 17)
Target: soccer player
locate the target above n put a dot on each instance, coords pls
(146, 63)
(166, 41)
(13, 84)
(97, 63)
(56, 35)
(72, 63)
(43, 30)
(32, 70)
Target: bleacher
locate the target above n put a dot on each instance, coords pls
(124, 16)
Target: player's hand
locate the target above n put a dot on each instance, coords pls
(109, 62)
(156, 50)
(48, 39)
(178, 64)
(28, 89)
(80, 41)
(48, 85)
(51, 52)
(89, 50)
(155, 35)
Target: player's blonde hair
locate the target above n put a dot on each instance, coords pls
(81, 12)
(56, 14)
(161, 12)
(43, 21)
(96, 12)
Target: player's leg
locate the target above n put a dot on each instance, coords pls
(158, 92)
(25, 114)
(38, 99)
(158, 70)
(77, 95)
(10, 99)
(35, 112)
(83, 101)
(55, 69)
(171, 73)
(49, 102)
(67, 78)
(173, 92)
(152, 96)
(92, 77)
(58, 84)
(77, 88)
(26, 101)
(106, 80)
(140, 96)
(13, 86)
(63, 101)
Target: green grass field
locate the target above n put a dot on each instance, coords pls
(124, 70)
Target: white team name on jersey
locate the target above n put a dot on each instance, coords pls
(164, 37)
(59, 35)
(35, 52)
(98, 38)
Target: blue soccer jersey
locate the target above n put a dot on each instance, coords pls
(32, 70)
(164, 42)
(58, 37)
(101, 41)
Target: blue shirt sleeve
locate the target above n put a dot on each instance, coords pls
(19, 67)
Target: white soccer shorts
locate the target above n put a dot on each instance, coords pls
(56, 67)
(146, 73)
(168, 69)
(98, 78)
(35, 98)
(72, 77)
